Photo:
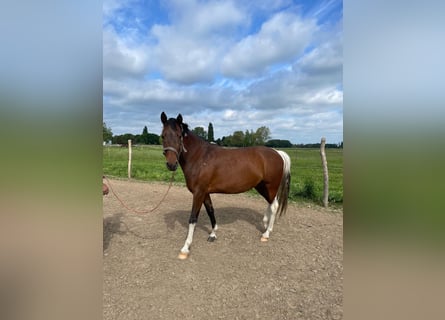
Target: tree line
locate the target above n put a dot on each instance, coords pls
(317, 145)
(144, 138)
(259, 137)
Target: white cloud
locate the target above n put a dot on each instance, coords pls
(230, 114)
(281, 39)
(122, 56)
(328, 96)
(324, 62)
(204, 62)
(146, 93)
(109, 7)
(184, 59)
(323, 59)
(204, 18)
(189, 49)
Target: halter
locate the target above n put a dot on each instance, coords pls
(182, 148)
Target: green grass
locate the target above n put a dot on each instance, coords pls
(307, 174)
(148, 164)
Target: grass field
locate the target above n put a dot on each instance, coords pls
(148, 164)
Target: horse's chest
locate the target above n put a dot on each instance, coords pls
(198, 175)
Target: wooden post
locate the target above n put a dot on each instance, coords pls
(129, 159)
(325, 172)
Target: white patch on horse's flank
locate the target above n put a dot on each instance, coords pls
(189, 240)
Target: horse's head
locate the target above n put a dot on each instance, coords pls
(172, 135)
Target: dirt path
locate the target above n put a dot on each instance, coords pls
(298, 274)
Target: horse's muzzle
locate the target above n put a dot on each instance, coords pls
(172, 167)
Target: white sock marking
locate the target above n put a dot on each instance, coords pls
(189, 240)
(213, 234)
(271, 213)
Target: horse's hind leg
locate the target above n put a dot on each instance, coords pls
(211, 212)
(269, 216)
(271, 213)
(266, 218)
(262, 189)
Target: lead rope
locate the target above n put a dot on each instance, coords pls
(137, 211)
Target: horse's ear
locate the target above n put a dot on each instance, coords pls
(179, 119)
(163, 117)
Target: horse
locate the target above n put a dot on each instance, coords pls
(209, 168)
(105, 189)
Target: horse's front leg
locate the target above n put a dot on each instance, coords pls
(211, 212)
(198, 199)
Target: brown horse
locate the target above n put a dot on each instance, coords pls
(210, 169)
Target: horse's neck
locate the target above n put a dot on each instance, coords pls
(193, 146)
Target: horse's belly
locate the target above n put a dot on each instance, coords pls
(234, 182)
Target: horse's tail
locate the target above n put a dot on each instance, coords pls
(283, 190)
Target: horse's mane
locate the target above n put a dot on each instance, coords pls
(186, 131)
(185, 128)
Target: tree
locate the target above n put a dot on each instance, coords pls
(238, 139)
(248, 138)
(261, 135)
(107, 133)
(153, 138)
(144, 136)
(225, 141)
(200, 132)
(277, 143)
(211, 137)
(123, 138)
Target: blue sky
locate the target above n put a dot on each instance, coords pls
(238, 64)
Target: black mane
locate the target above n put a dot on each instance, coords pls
(184, 126)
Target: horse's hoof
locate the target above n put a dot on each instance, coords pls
(211, 239)
(183, 256)
(263, 239)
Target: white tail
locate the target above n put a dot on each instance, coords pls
(283, 190)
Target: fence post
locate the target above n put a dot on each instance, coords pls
(129, 159)
(325, 172)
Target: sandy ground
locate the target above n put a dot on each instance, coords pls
(298, 274)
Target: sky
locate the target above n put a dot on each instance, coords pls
(237, 64)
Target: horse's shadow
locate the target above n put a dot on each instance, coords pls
(111, 226)
(226, 215)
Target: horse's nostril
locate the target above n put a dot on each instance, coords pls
(172, 167)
